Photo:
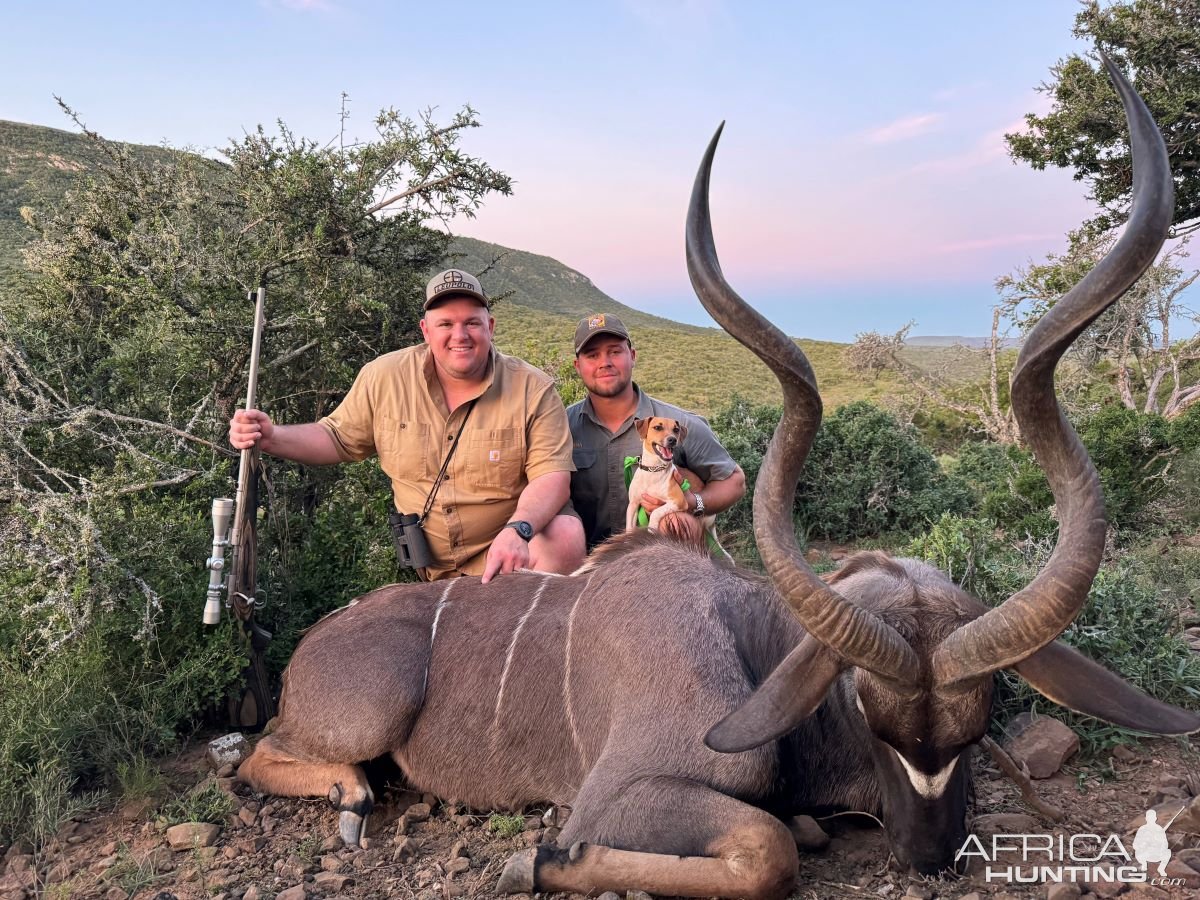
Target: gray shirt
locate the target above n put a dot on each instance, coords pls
(598, 483)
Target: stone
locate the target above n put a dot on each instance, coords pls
(459, 849)
(551, 835)
(429, 800)
(229, 750)
(1063, 892)
(1043, 746)
(637, 895)
(192, 834)
(330, 863)
(246, 816)
(918, 892)
(609, 895)
(252, 893)
(332, 882)
(116, 893)
(556, 816)
(158, 860)
(530, 838)
(1186, 814)
(532, 823)
(807, 834)
(1124, 753)
(458, 865)
(974, 895)
(293, 893)
(1107, 888)
(1141, 889)
(418, 812)
(406, 849)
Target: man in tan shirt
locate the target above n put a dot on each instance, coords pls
(503, 504)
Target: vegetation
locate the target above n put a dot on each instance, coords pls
(1155, 42)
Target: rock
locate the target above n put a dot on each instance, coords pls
(918, 892)
(1063, 892)
(556, 816)
(252, 893)
(974, 895)
(429, 800)
(418, 812)
(1005, 823)
(332, 882)
(192, 834)
(530, 838)
(293, 893)
(637, 895)
(463, 821)
(807, 834)
(330, 863)
(226, 771)
(157, 860)
(532, 823)
(1124, 753)
(459, 849)
(406, 849)
(1107, 888)
(116, 893)
(229, 750)
(458, 865)
(1141, 889)
(246, 816)
(1178, 869)
(609, 895)
(551, 835)
(1043, 746)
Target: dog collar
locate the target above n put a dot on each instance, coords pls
(661, 468)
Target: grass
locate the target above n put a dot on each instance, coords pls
(504, 825)
(204, 803)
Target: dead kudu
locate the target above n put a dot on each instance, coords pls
(680, 706)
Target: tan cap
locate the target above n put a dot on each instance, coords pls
(599, 323)
(454, 283)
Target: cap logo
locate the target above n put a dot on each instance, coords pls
(596, 322)
(454, 280)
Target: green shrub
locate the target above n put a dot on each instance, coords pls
(505, 825)
(868, 474)
(1009, 488)
(1132, 452)
(204, 803)
(968, 551)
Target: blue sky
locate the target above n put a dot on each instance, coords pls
(861, 182)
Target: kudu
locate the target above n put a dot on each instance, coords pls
(600, 690)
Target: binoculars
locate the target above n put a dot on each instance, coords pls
(412, 548)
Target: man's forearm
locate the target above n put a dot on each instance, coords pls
(310, 444)
(720, 495)
(542, 499)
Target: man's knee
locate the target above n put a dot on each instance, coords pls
(560, 547)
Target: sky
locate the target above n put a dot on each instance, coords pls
(862, 179)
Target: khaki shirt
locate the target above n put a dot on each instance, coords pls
(516, 432)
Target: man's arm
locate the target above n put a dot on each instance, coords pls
(718, 495)
(541, 500)
(311, 444)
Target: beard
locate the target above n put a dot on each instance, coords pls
(612, 387)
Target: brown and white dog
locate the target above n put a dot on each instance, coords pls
(655, 473)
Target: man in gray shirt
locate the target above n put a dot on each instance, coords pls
(603, 435)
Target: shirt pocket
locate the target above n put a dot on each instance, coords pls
(404, 447)
(495, 458)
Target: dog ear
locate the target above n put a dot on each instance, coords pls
(642, 426)
(682, 431)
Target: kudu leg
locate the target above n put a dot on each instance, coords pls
(271, 769)
(706, 844)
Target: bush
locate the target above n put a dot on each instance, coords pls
(1010, 490)
(868, 474)
(1132, 452)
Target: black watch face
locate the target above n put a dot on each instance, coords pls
(524, 529)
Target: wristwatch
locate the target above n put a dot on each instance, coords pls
(524, 529)
(698, 512)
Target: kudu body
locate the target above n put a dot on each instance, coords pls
(679, 706)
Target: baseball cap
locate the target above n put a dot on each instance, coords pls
(599, 323)
(454, 283)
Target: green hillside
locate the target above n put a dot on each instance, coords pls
(541, 300)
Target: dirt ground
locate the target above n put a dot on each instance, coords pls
(288, 849)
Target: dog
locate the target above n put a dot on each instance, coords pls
(656, 474)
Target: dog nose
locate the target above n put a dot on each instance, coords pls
(672, 441)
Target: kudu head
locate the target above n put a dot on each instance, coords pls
(923, 653)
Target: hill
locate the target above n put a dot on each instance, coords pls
(540, 299)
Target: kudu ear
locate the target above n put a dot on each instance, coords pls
(789, 696)
(1070, 679)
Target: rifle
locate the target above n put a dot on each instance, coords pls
(256, 706)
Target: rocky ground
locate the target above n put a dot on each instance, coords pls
(285, 849)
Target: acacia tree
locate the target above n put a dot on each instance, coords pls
(1153, 370)
(1157, 43)
(123, 354)
(986, 404)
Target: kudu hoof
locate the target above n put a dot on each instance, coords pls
(517, 877)
(351, 827)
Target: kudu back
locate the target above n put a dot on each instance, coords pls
(680, 706)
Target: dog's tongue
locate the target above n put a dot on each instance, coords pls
(665, 452)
